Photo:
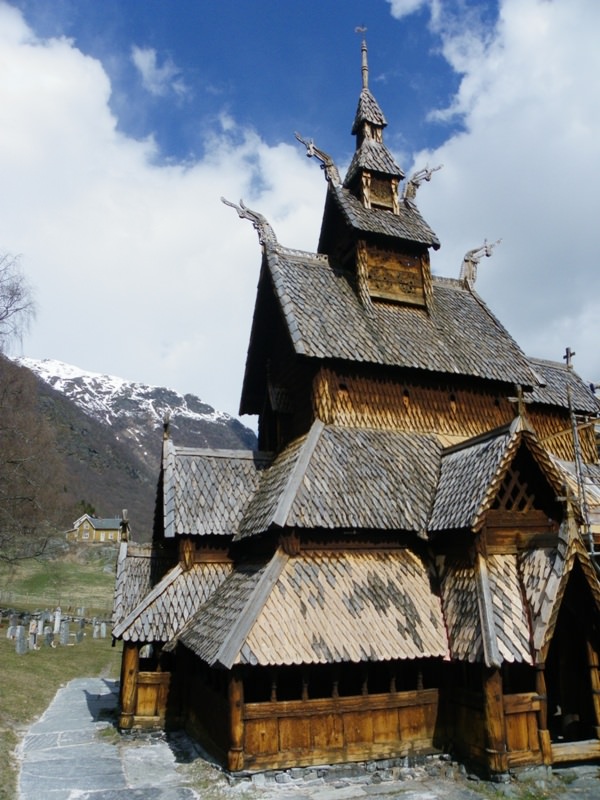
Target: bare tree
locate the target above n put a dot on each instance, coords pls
(17, 308)
(32, 484)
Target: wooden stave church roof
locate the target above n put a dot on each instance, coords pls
(325, 319)
(245, 592)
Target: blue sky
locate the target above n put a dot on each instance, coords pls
(123, 122)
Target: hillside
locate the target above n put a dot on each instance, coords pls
(109, 434)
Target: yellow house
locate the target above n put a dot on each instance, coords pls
(94, 530)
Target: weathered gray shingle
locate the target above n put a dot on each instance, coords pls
(558, 378)
(206, 491)
(348, 478)
(321, 607)
(326, 320)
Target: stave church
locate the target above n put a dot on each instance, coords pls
(408, 563)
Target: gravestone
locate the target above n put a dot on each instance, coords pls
(103, 630)
(79, 636)
(21, 644)
(32, 634)
(48, 636)
(96, 631)
(57, 620)
(64, 632)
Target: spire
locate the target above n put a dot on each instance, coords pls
(372, 158)
(365, 63)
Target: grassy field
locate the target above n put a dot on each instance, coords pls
(80, 578)
(29, 683)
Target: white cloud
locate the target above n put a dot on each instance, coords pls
(139, 269)
(158, 80)
(402, 8)
(526, 168)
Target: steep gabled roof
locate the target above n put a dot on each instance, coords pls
(471, 474)
(368, 110)
(325, 319)
(484, 611)
(170, 604)
(205, 491)
(347, 478)
(557, 380)
(545, 578)
(407, 224)
(375, 157)
(321, 607)
(139, 567)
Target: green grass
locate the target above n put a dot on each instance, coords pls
(29, 682)
(71, 582)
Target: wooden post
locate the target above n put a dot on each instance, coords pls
(494, 721)
(235, 756)
(542, 715)
(129, 681)
(594, 667)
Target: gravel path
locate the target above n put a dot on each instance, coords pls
(73, 752)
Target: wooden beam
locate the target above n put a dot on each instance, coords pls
(493, 707)
(594, 667)
(235, 756)
(129, 677)
(542, 714)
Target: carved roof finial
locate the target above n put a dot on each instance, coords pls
(365, 63)
(327, 163)
(415, 180)
(468, 270)
(265, 232)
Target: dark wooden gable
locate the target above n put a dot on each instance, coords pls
(526, 511)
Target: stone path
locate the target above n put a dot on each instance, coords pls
(73, 752)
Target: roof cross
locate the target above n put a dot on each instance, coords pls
(568, 357)
(519, 401)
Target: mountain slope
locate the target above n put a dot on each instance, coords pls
(109, 432)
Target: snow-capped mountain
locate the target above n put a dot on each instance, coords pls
(136, 411)
(110, 430)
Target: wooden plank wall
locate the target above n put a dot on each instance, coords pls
(465, 712)
(151, 701)
(333, 730)
(521, 724)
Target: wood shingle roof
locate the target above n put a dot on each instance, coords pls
(348, 478)
(172, 601)
(325, 319)
(321, 607)
(206, 491)
(407, 224)
(558, 379)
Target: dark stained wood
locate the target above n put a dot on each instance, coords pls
(494, 721)
(542, 715)
(129, 674)
(331, 730)
(235, 756)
